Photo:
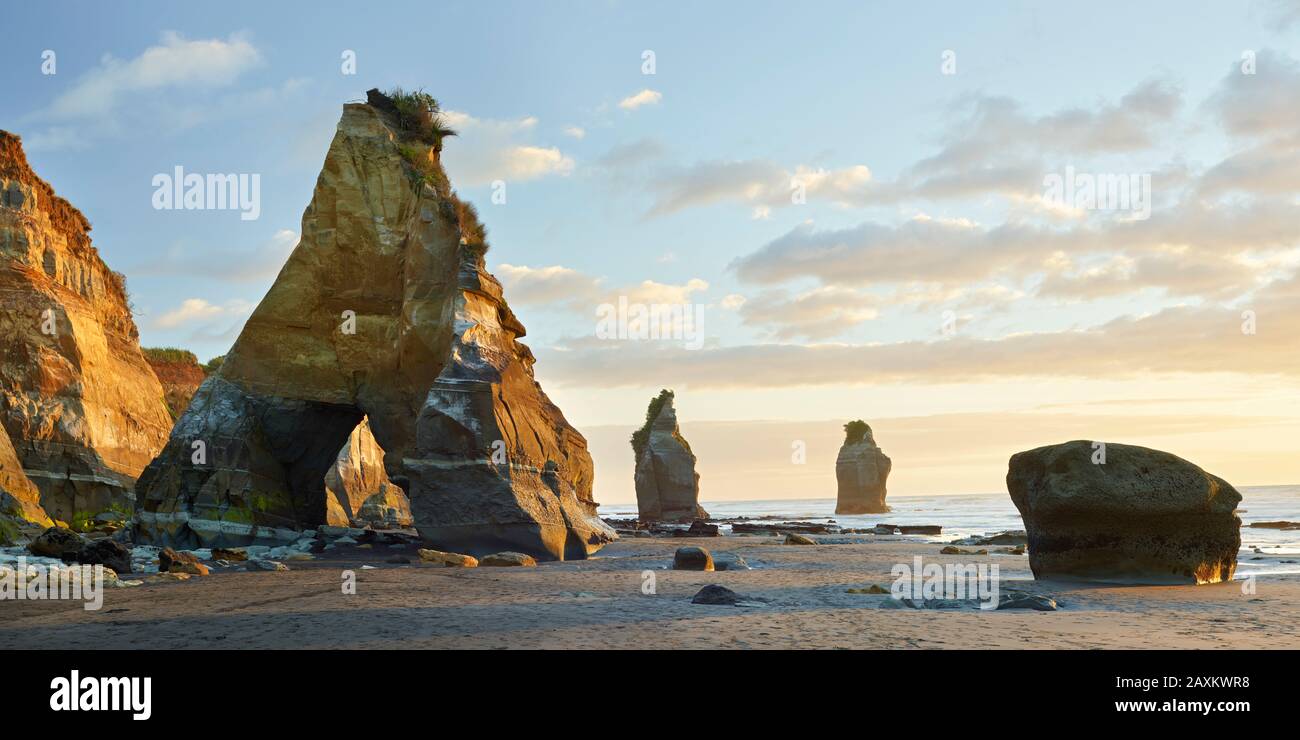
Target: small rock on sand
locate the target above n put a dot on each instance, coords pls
(692, 558)
(448, 559)
(508, 559)
(798, 539)
(266, 565)
(718, 595)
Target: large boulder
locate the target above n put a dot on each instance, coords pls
(1141, 516)
(667, 486)
(79, 406)
(384, 309)
(861, 471)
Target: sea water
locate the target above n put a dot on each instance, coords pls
(964, 515)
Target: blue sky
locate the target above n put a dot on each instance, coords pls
(690, 188)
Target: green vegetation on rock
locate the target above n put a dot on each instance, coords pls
(170, 354)
(855, 431)
(642, 436)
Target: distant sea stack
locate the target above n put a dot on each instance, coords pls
(667, 486)
(80, 410)
(1121, 513)
(861, 471)
(384, 309)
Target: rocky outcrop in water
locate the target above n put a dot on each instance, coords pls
(383, 309)
(79, 406)
(861, 471)
(667, 486)
(1124, 513)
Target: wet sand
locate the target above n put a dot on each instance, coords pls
(599, 604)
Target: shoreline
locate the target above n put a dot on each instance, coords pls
(801, 596)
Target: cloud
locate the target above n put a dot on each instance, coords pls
(561, 287)
(816, 314)
(645, 97)
(488, 150)
(198, 310)
(576, 132)
(758, 183)
(175, 63)
(1266, 102)
(1183, 339)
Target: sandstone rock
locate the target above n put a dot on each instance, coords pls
(448, 559)
(730, 561)
(861, 470)
(507, 559)
(872, 589)
(357, 489)
(78, 403)
(1143, 516)
(169, 559)
(180, 375)
(191, 568)
(667, 486)
(701, 528)
(1020, 600)
(692, 558)
(384, 309)
(798, 539)
(57, 542)
(717, 595)
(107, 553)
(230, 555)
(270, 565)
(20, 500)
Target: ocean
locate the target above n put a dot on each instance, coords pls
(962, 515)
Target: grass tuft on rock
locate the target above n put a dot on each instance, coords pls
(641, 437)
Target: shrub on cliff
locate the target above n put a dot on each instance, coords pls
(170, 355)
(642, 436)
(854, 431)
(419, 115)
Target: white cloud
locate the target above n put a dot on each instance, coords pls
(176, 62)
(561, 287)
(645, 97)
(198, 310)
(576, 132)
(489, 150)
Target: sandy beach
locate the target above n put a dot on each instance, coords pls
(599, 604)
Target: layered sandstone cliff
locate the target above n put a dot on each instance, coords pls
(861, 472)
(384, 309)
(79, 405)
(180, 374)
(667, 486)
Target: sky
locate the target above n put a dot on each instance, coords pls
(863, 203)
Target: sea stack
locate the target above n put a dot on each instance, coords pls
(667, 486)
(384, 309)
(81, 413)
(861, 471)
(1122, 513)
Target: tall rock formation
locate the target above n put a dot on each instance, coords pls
(861, 471)
(357, 489)
(1123, 513)
(81, 409)
(383, 309)
(667, 486)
